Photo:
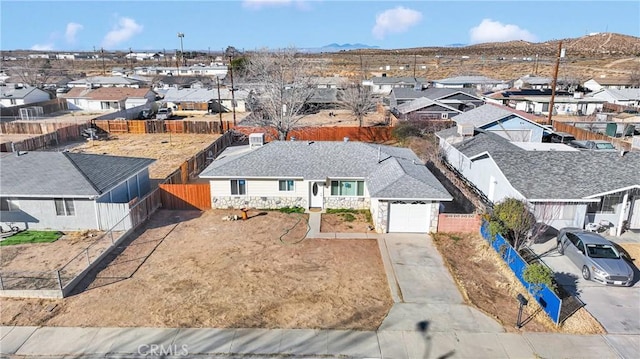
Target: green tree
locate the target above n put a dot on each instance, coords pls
(514, 220)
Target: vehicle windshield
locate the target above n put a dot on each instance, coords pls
(602, 251)
(605, 146)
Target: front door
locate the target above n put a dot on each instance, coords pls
(317, 195)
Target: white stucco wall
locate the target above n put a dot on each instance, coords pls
(40, 213)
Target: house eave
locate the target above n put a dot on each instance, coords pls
(613, 191)
(413, 199)
(535, 200)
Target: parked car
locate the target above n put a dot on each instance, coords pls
(595, 256)
(164, 114)
(594, 145)
(559, 137)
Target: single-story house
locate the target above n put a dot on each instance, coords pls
(564, 188)
(107, 81)
(399, 191)
(462, 99)
(179, 82)
(610, 83)
(329, 82)
(509, 123)
(69, 191)
(383, 85)
(533, 82)
(214, 69)
(564, 105)
(143, 56)
(108, 98)
(18, 94)
(480, 83)
(424, 109)
(204, 99)
(624, 97)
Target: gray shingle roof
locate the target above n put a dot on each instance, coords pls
(398, 174)
(201, 95)
(420, 103)
(568, 175)
(482, 80)
(433, 93)
(10, 92)
(380, 80)
(486, 142)
(483, 115)
(65, 174)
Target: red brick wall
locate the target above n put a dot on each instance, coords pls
(458, 223)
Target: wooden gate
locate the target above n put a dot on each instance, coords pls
(194, 196)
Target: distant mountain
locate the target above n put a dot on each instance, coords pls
(334, 47)
(455, 45)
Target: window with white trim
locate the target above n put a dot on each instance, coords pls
(238, 187)
(610, 202)
(9, 204)
(444, 115)
(65, 207)
(347, 188)
(286, 185)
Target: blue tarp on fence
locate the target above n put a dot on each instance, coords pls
(547, 298)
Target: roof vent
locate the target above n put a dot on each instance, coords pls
(345, 139)
(465, 129)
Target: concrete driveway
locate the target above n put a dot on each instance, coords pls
(616, 308)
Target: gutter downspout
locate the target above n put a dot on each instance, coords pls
(625, 205)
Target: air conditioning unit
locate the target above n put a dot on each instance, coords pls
(256, 140)
(465, 129)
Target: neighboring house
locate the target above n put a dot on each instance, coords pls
(480, 83)
(330, 82)
(41, 56)
(576, 105)
(144, 56)
(564, 188)
(610, 83)
(204, 99)
(69, 191)
(383, 85)
(107, 98)
(18, 94)
(624, 97)
(533, 82)
(509, 123)
(391, 182)
(181, 82)
(322, 99)
(219, 70)
(461, 99)
(517, 98)
(106, 81)
(424, 109)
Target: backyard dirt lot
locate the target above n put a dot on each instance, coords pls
(192, 269)
(495, 290)
(169, 150)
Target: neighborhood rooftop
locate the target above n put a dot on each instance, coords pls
(37, 174)
(390, 172)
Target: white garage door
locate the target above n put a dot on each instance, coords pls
(409, 217)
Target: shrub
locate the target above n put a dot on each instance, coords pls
(348, 217)
(291, 210)
(538, 274)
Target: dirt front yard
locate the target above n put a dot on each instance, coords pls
(169, 150)
(347, 222)
(192, 269)
(33, 265)
(489, 285)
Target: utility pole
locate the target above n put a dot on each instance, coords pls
(131, 59)
(233, 90)
(415, 58)
(184, 60)
(166, 61)
(102, 56)
(362, 68)
(554, 84)
(220, 105)
(95, 57)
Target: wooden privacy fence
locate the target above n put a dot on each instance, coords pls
(364, 134)
(582, 134)
(186, 196)
(51, 139)
(193, 166)
(160, 126)
(51, 106)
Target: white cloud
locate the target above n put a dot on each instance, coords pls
(495, 31)
(42, 47)
(72, 31)
(395, 20)
(123, 31)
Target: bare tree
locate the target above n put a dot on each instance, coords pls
(284, 89)
(359, 100)
(33, 72)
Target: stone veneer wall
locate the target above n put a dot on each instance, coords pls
(257, 202)
(347, 202)
(381, 220)
(435, 211)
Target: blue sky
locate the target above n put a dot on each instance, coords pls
(253, 24)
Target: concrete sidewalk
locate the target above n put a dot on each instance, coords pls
(425, 297)
(161, 342)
